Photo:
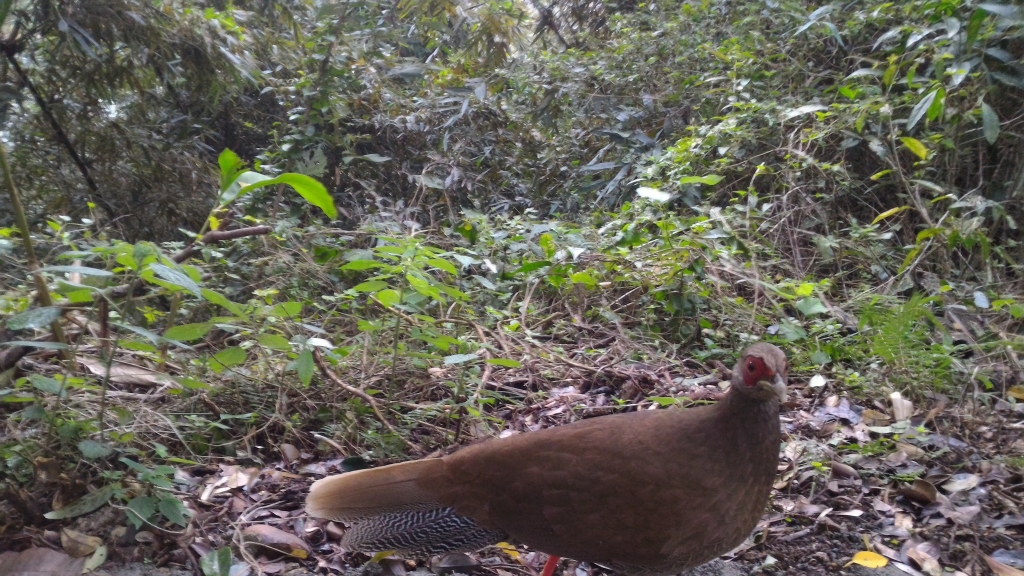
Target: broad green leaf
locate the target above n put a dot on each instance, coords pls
(93, 450)
(938, 105)
(46, 384)
(811, 306)
(443, 265)
(312, 191)
(227, 358)
(889, 212)
(222, 301)
(175, 277)
(363, 265)
(370, 286)
(527, 268)
(188, 332)
(920, 109)
(83, 270)
(460, 358)
(915, 146)
(217, 563)
(304, 367)
(174, 510)
(989, 123)
(141, 509)
(230, 165)
(34, 318)
(506, 362)
(86, 504)
(287, 309)
(583, 278)
(274, 342)
(388, 297)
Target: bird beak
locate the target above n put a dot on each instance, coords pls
(779, 387)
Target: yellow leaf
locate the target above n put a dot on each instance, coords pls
(1016, 392)
(868, 559)
(888, 213)
(214, 222)
(915, 146)
(508, 549)
(380, 556)
(878, 175)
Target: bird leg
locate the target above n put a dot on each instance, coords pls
(550, 565)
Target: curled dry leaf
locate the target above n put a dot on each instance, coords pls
(875, 418)
(290, 453)
(278, 540)
(1001, 569)
(921, 491)
(77, 544)
(844, 470)
(961, 482)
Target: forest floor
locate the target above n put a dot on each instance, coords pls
(934, 486)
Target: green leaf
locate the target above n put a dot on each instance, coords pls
(388, 297)
(547, 243)
(443, 265)
(371, 286)
(921, 109)
(312, 191)
(227, 358)
(174, 510)
(83, 270)
(710, 179)
(287, 309)
(811, 306)
(85, 504)
(140, 510)
(363, 265)
(915, 146)
(217, 563)
(188, 332)
(222, 301)
(583, 278)
(179, 279)
(230, 166)
(938, 105)
(274, 342)
(989, 123)
(506, 362)
(889, 212)
(34, 344)
(459, 359)
(304, 366)
(34, 318)
(93, 450)
(527, 268)
(46, 384)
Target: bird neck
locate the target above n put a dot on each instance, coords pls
(745, 411)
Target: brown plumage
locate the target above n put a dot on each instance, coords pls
(649, 492)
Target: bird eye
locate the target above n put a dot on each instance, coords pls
(751, 366)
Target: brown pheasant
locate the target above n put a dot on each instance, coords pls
(649, 492)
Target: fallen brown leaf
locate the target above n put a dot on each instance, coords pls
(40, 562)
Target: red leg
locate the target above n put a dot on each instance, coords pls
(550, 565)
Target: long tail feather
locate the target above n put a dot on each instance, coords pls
(375, 491)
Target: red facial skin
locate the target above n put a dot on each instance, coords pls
(755, 370)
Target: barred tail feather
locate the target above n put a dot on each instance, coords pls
(419, 532)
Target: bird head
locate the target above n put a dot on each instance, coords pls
(762, 372)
